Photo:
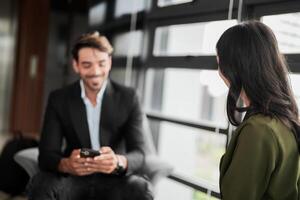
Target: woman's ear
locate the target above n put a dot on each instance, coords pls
(223, 78)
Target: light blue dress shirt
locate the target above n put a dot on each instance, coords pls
(93, 114)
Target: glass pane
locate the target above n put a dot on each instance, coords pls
(129, 43)
(129, 6)
(202, 196)
(286, 28)
(189, 94)
(118, 74)
(189, 39)
(295, 82)
(192, 152)
(166, 187)
(97, 14)
(162, 3)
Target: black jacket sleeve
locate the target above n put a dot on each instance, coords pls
(51, 139)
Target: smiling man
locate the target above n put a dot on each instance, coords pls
(99, 115)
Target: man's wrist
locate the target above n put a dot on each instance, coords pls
(122, 161)
(121, 167)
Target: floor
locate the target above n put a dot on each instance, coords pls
(4, 196)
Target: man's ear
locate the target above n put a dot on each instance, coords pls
(75, 66)
(110, 62)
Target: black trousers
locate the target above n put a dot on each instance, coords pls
(50, 186)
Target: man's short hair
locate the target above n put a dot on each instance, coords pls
(91, 40)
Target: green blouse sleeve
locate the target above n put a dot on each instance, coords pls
(250, 164)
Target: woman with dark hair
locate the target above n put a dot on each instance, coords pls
(262, 159)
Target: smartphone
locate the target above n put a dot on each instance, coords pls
(88, 153)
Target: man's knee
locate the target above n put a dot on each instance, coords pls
(138, 188)
(45, 185)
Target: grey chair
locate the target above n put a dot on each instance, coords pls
(28, 159)
(154, 168)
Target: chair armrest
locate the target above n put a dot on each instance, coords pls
(28, 159)
(155, 168)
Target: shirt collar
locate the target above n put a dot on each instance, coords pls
(99, 95)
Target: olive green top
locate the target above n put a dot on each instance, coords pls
(261, 162)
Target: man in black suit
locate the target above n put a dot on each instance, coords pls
(94, 113)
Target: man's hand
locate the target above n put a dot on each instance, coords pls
(106, 162)
(75, 165)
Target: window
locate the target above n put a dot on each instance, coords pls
(193, 95)
(189, 39)
(163, 3)
(165, 188)
(97, 14)
(286, 28)
(129, 43)
(118, 74)
(129, 6)
(190, 94)
(192, 152)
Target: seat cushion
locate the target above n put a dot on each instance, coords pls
(28, 159)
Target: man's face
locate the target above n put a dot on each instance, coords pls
(93, 67)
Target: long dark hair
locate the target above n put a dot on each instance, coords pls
(250, 60)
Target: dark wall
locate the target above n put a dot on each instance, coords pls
(29, 70)
(65, 25)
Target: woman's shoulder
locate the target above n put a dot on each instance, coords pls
(260, 120)
(264, 127)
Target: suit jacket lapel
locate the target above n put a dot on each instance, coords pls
(107, 115)
(79, 117)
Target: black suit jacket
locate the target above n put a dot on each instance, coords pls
(66, 128)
